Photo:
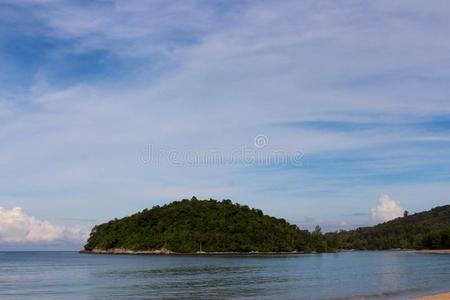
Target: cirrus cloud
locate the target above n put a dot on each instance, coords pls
(86, 86)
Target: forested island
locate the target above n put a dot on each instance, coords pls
(211, 226)
(191, 226)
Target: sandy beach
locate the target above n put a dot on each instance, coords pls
(441, 296)
(437, 251)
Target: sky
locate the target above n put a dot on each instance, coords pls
(321, 112)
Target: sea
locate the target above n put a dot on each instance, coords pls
(344, 275)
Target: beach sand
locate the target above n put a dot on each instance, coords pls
(442, 296)
(438, 251)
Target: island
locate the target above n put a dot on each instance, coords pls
(208, 227)
(202, 226)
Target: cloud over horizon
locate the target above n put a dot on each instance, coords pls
(17, 227)
(387, 209)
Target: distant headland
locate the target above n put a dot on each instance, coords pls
(201, 226)
(211, 227)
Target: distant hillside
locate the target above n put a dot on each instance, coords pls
(188, 226)
(424, 230)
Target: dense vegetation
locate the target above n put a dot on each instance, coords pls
(425, 230)
(208, 225)
(189, 226)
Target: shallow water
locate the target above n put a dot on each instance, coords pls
(354, 275)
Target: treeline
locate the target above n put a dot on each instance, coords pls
(189, 226)
(425, 230)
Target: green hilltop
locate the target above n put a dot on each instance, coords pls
(188, 226)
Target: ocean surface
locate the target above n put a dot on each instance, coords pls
(349, 275)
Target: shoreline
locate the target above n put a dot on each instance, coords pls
(440, 296)
(122, 251)
(163, 251)
(435, 251)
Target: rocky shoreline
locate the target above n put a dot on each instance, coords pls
(162, 251)
(165, 251)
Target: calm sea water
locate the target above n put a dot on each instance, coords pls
(355, 275)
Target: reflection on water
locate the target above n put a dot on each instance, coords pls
(350, 275)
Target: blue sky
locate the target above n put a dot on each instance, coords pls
(350, 100)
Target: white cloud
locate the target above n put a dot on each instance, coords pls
(18, 227)
(387, 209)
